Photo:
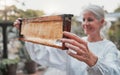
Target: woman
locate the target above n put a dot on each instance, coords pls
(91, 55)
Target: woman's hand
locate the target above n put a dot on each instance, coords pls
(17, 23)
(80, 48)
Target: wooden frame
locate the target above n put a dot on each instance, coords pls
(46, 30)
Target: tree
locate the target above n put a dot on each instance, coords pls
(117, 10)
(6, 11)
(13, 13)
(114, 32)
(10, 13)
(31, 13)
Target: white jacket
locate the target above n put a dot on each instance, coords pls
(108, 59)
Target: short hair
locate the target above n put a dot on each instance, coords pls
(96, 10)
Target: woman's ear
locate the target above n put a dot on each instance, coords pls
(102, 21)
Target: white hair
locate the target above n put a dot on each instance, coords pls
(104, 30)
(96, 10)
(99, 14)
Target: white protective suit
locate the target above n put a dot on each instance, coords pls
(108, 59)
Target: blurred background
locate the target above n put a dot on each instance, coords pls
(12, 51)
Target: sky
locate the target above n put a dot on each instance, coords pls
(64, 6)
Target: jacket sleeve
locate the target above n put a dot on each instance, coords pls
(108, 64)
(47, 56)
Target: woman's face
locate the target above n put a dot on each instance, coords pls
(90, 24)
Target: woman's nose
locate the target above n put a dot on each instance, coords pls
(85, 23)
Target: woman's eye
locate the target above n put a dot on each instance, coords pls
(83, 19)
(90, 19)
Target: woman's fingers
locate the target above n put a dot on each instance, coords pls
(79, 49)
(75, 37)
(75, 49)
(77, 56)
(17, 23)
(74, 43)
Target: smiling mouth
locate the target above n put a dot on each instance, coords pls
(88, 28)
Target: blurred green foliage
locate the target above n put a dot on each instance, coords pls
(114, 32)
(13, 13)
(6, 62)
